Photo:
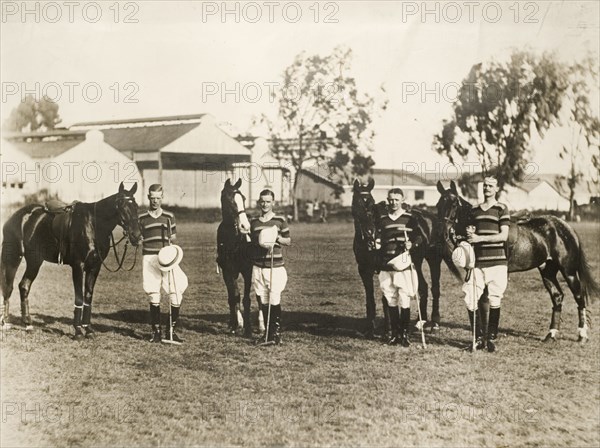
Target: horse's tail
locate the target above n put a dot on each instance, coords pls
(12, 251)
(589, 286)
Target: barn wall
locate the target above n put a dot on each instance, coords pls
(311, 189)
(195, 188)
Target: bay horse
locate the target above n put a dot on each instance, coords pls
(428, 244)
(78, 236)
(234, 254)
(544, 242)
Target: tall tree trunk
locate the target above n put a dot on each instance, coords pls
(572, 204)
(295, 195)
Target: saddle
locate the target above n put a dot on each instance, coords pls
(519, 217)
(62, 216)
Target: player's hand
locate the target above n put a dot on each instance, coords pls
(473, 239)
(408, 245)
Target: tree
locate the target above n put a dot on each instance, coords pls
(584, 125)
(499, 106)
(322, 117)
(33, 115)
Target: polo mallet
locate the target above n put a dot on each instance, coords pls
(474, 310)
(415, 295)
(267, 342)
(170, 274)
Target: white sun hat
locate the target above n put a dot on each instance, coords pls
(267, 237)
(464, 256)
(169, 257)
(401, 262)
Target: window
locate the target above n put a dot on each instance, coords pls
(419, 195)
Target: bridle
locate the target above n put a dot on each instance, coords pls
(119, 205)
(368, 238)
(236, 213)
(449, 228)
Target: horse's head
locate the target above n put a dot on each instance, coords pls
(233, 207)
(364, 211)
(127, 211)
(454, 212)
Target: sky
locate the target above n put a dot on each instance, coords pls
(108, 60)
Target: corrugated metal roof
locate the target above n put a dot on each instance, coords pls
(38, 149)
(147, 138)
(384, 176)
(139, 120)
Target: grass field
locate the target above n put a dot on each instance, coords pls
(326, 386)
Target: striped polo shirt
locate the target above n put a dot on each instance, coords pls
(393, 242)
(155, 231)
(261, 256)
(488, 222)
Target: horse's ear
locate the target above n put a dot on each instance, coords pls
(356, 184)
(440, 187)
(228, 182)
(133, 189)
(453, 187)
(371, 184)
(238, 184)
(121, 188)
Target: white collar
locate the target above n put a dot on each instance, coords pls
(271, 215)
(399, 213)
(486, 209)
(155, 214)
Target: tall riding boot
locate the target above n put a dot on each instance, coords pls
(394, 314)
(479, 341)
(404, 325)
(483, 317)
(170, 332)
(275, 332)
(155, 322)
(386, 319)
(264, 309)
(493, 329)
(246, 316)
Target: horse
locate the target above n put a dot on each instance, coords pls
(543, 242)
(234, 255)
(428, 244)
(78, 235)
(366, 216)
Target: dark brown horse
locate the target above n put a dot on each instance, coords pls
(544, 242)
(428, 244)
(79, 237)
(234, 253)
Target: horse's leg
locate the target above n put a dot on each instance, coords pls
(435, 265)
(366, 274)
(33, 268)
(247, 274)
(575, 287)
(90, 280)
(549, 272)
(9, 263)
(233, 298)
(77, 270)
(423, 289)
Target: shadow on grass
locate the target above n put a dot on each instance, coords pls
(313, 323)
(46, 321)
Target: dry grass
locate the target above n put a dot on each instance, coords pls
(326, 386)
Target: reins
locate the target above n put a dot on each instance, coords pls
(113, 246)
